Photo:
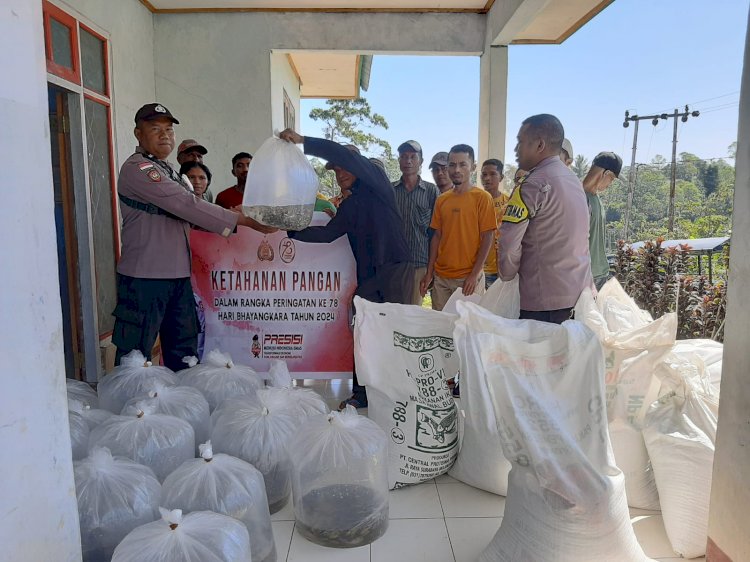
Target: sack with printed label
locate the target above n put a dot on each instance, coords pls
(81, 391)
(226, 485)
(566, 498)
(115, 495)
(634, 345)
(480, 461)
(158, 441)
(201, 536)
(339, 479)
(257, 429)
(135, 376)
(183, 402)
(404, 355)
(680, 434)
(281, 186)
(306, 401)
(219, 378)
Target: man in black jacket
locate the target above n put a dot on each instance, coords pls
(370, 219)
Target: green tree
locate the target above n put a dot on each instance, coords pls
(349, 121)
(732, 150)
(352, 121)
(580, 166)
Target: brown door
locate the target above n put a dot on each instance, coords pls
(65, 226)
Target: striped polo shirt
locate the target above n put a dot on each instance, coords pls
(416, 208)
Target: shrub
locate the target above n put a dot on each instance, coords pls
(657, 279)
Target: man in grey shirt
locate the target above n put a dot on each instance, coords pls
(545, 228)
(415, 199)
(604, 169)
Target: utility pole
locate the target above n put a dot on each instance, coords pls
(654, 121)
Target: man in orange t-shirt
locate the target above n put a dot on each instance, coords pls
(464, 224)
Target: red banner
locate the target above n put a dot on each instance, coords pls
(270, 297)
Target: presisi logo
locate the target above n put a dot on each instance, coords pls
(282, 339)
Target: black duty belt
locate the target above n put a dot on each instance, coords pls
(149, 208)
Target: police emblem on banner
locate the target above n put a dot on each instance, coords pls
(265, 251)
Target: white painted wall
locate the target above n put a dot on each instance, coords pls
(38, 512)
(729, 525)
(283, 78)
(214, 70)
(129, 27)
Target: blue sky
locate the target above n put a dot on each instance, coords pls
(643, 55)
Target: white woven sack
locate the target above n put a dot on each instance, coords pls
(201, 536)
(404, 354)
(634, 345)
(710, 352)
(502, 298)
(566, 499)
(680, 433)
(480, 461)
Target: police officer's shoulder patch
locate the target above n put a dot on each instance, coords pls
(154, 175)
(516, 211)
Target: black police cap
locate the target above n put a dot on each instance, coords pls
(152, 111)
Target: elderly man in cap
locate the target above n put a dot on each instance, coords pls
(441, 175)
(190, 151)
(154, 294)
(604, 169)
(544, 233)
(416, 200)
(370, 219)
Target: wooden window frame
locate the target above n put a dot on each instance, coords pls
(50, 11)
(105, 58)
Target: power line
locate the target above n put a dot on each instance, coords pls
(673, 180)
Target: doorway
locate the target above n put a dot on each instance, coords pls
(65, 227)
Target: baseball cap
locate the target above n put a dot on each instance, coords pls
(567, 147)
(191, 144)
(608, 161)
(350, 147)
(440, 159)
(152, 111)
(410, 146)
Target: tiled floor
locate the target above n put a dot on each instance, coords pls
(442, 520)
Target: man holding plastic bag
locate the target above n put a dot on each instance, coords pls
(370, 219)
(154, 294)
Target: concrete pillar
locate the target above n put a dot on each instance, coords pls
(729, 525)
(493, 100)
(38, 511)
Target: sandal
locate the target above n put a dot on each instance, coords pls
(352, 402)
